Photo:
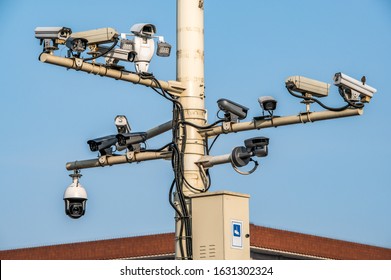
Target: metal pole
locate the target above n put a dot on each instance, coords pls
(190, 73)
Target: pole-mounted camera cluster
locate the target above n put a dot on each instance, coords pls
(189, 150)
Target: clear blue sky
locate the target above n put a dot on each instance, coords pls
(328, 178)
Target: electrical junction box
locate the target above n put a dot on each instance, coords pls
(220, 226)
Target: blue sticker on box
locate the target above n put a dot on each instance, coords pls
(237, 241)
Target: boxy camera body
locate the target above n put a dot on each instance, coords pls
(308, 86)
(356, 90)
(53, 33)
(258, 146)
(232, 109)
(267, 103)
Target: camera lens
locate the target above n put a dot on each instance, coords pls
(76, 209)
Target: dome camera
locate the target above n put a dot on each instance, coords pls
(75, 198)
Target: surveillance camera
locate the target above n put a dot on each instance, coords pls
(53, 33)
(258, 146)
(233, 111)
(307, 86)
(127, 44)
(114, 56)
(144, 48)
(102, 144)
(75, 198)
(240, 156)
(50, 37)
(98, 36)
(163, 49)
(268, 103)
(77, 45)
(143, 29)
(122, 124)
(353, 88)
(128, 139)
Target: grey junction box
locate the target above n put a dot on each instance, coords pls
(220, 225)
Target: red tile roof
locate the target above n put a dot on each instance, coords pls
(130, 247)
(279, 241)
(311, 245)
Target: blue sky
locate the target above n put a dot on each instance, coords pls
(329, 178)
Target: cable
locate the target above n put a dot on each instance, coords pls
(211, 145)
(202, 127)
(317, 101)
(170, 196)
(246, 172)
(343, 95)
(177, 161)
(102, 54)
(160, 149)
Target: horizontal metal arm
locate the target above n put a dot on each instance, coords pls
(160, 129)
(102, 70)
(112, 160)
(279, 121)
(210, 161)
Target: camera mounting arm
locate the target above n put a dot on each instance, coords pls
(173, 87)
(279, 121)
(129, 157)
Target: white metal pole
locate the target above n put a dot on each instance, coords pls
(190, 73)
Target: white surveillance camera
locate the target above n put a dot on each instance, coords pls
(98, 36)
(53, 33)
(75, 198)
(307, 86)
(356, 90)
(144, 48)
(122, 124)
(113, 56)
(143, 29)
(268, 103)
(144, 45)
